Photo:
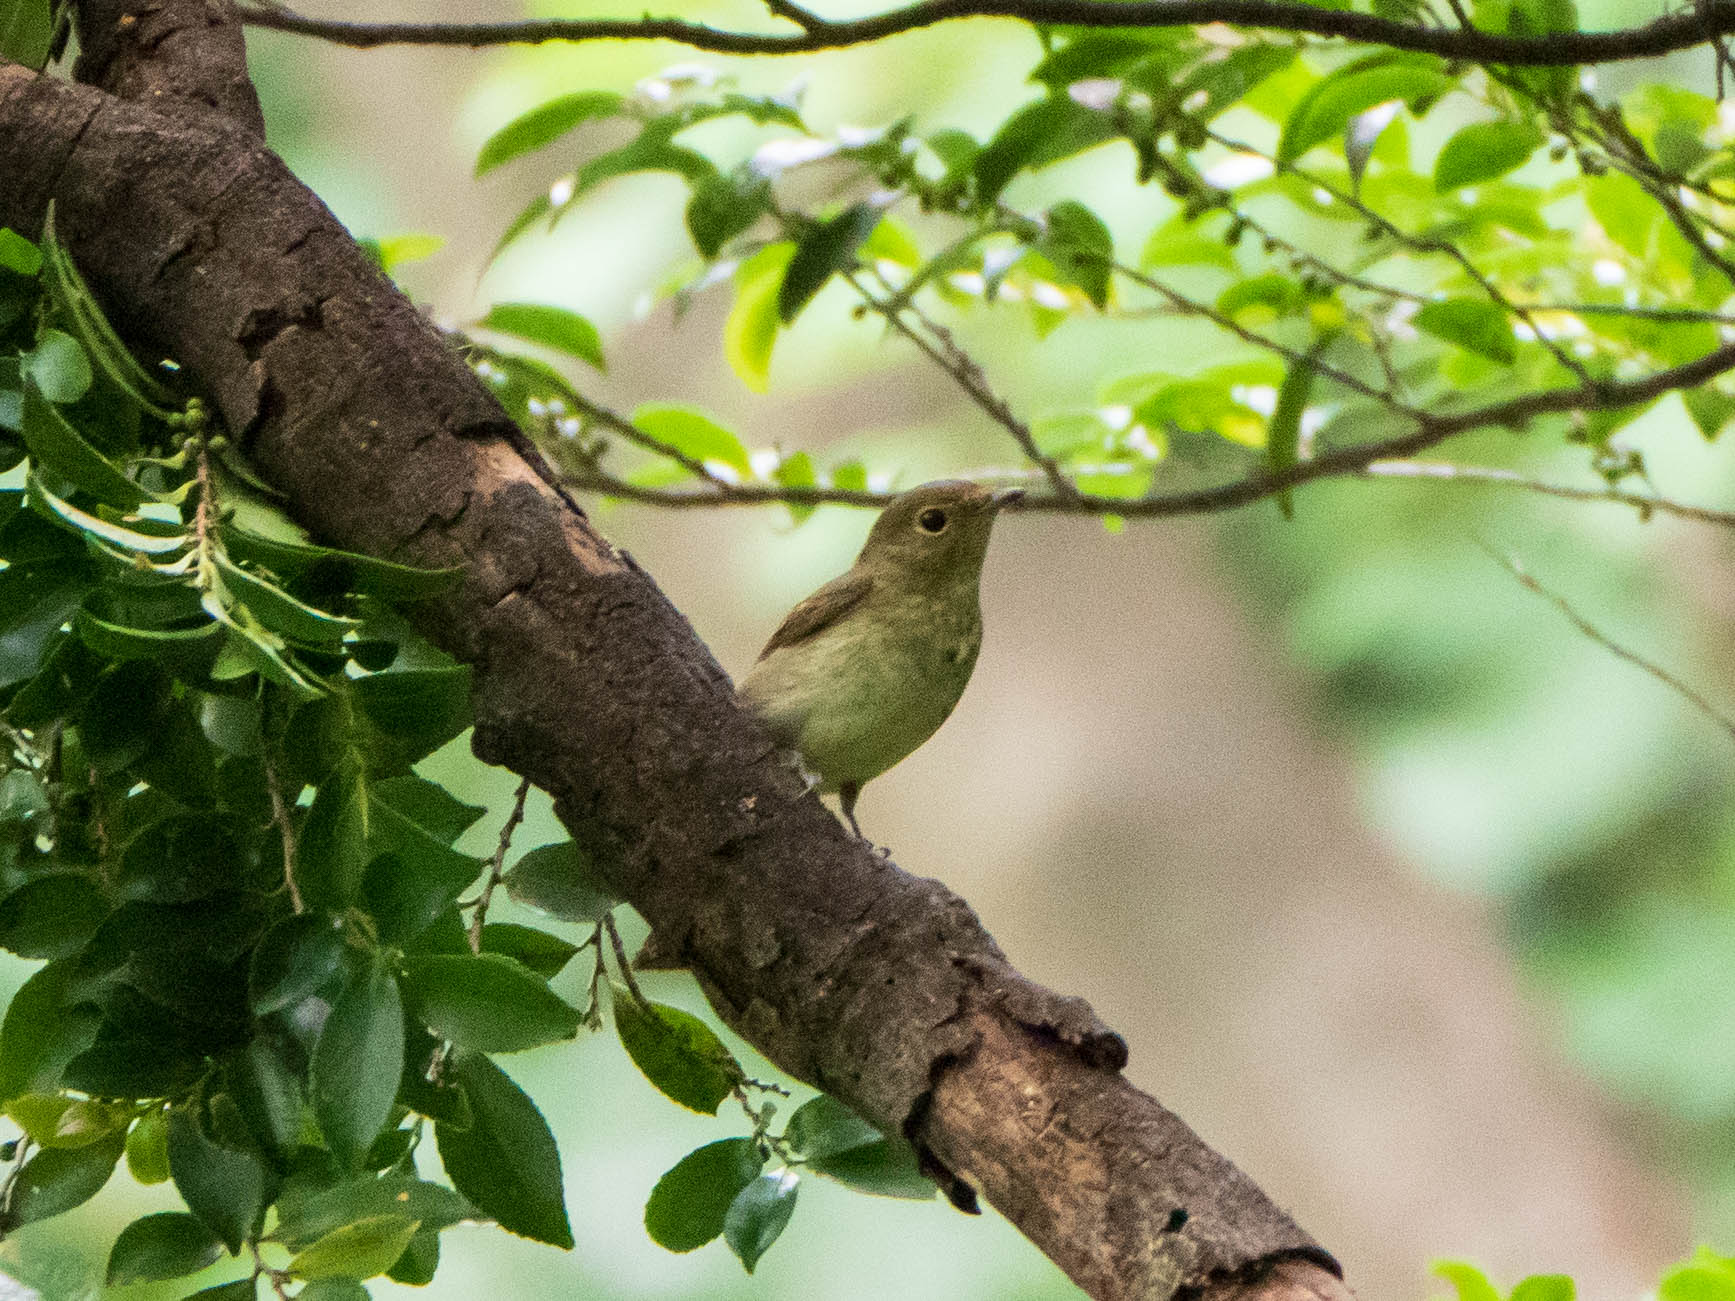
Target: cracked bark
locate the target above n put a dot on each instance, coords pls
(879, 987)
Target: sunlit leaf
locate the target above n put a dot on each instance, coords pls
(543, 125)
(548, 326)
(751, 330)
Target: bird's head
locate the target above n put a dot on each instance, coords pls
(935, 533)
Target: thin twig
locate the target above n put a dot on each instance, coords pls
(937, 344)
(633, 433)
(1478, 474)
(1681, 30)
(497, 866)
(1294, 356)
(1590, 630)
(284, 820)
(620, 957)
(1428, 430)
(1420, 244)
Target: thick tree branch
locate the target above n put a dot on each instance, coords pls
(879, 987)
(1677, 31)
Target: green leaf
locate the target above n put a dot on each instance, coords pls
(545, 954)
(360, 1250)
(411, 712)
(147, 1149)
(823, 1126)
(886, 1168)
(560, 880)
(686, 1208)
(420, 1261)
(265, 1080)
(1706, 1277)
(1036, 135)
(551, 327)
(1283, 435)
(487, 1001)
(78, 309)
(186, 652)
(57, 366)
(506, 1161)
(758, 1215)
(394, 251)
(427, 804)
(56, 1120)
(124, 713)
(825, 248)
(222, 1185)
(1545, 1287)
(119, 535)
(279, 611)
(356, 1064)
(296, 958)
(347, 571)
(1484, 151)
(1471, 324)
(412, 877)
(751, 330)
(41, 1034)
(171, 1244)
(332, 850)
(1472, 1284)
(693, 434)
(722, 207)
(1079, 246)
(1325, 111)
(333, 1289)
(306, 1219)
(651, 151)
(57, 1179)
(543, 125)
(676, 1051)
(242, 1289)
(17, 253)
(51, 916)
(34, 602)
(59, 449)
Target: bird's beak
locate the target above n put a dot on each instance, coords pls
(1005, 497)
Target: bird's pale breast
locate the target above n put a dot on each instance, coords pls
(862, 694)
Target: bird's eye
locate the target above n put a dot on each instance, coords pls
(932, 520)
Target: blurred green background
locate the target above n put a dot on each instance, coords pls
(1413, 900)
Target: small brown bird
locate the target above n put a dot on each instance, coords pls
(867, 668)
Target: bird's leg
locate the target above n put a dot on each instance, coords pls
(847, 793)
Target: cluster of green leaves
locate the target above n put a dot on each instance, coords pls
(261, 982)
(1350, 279)
(1705, 1277)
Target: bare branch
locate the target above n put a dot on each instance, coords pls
(1445, 471)
(1676, 31)
(1590, 630)
(938, 346)
(1429, 430)
(497, 866)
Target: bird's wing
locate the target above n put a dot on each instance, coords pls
(819, 611)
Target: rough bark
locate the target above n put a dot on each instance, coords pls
(877, 986)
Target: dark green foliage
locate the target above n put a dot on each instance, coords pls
(677, 1052)
(759, 1214)
(686, 1208)
(167, 1245)
(504, 1160)
(210, 829)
